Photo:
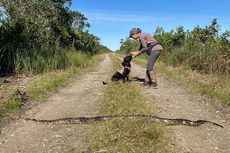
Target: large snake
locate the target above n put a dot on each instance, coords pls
(85, 120)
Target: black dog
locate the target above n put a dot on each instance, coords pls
(117, 76)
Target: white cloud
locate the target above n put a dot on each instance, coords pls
(118, 17)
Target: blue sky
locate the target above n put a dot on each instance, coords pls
(112, 20)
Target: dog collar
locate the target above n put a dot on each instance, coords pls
(127, 67)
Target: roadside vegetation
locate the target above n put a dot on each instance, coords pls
(126, 135)
(199, 59)
(44, 39)
(36, 36)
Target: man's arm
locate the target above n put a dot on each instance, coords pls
(135, 53)
(143, 45)
(142, 49)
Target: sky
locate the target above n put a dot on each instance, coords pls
(112, 20)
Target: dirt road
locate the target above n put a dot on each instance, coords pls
(81, 98)
(173, 101)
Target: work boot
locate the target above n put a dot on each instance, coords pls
(149, 79)
(146, 82)
(154, 84)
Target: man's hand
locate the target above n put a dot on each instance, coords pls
(134, 54)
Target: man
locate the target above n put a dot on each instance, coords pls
(152, 48)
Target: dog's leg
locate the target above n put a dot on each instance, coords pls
(124, 79)
(127, 78)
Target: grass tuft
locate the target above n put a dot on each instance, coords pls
(8, 109)
(126, 95)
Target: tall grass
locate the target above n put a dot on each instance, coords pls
(212, 57)
(50, 59)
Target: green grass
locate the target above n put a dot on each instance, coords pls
(126, 95)
(216, 87)
(52, 59)
(45, 83)
(126, 135)
(8, 109)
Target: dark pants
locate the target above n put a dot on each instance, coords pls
(152, 59)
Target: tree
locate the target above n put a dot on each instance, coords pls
(1, 14)
(86, 42)
(179, 36)
(226, 36)
(159, 31)
(33, 25)
(43, 22)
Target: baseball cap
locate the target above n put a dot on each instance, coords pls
(132, 31)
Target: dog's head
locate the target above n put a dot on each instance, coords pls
(126, 61)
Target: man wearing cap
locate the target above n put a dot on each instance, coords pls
(152, 48)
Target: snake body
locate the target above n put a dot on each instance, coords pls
(86, 120)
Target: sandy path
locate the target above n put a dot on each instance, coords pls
(81, 98)
(173, 101)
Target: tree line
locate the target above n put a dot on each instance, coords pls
(32, 28)
(206, 50)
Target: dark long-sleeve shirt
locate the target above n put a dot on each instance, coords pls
(145, 39)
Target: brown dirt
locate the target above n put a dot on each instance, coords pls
(81, 98)
(174, 101)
